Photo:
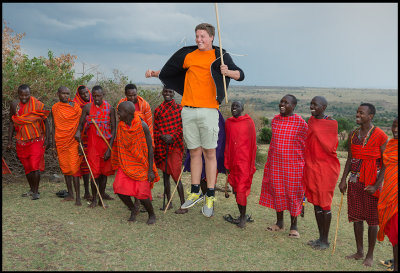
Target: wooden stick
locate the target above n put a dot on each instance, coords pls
(165, 209)
(220, 50)
(101, 134)
(337, 224)
(94, 181)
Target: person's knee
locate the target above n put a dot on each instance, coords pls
(209, 154)
(195, 152)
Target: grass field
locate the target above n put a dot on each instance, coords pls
(50, 235)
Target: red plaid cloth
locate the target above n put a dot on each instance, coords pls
(101, 115)
(282, 187)
(167, 120)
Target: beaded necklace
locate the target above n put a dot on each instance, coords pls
(367, 135)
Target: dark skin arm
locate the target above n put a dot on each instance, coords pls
(54, 140)
(343, 183)
(151, 175)
(371, 189)
(85, 112)
(11, 128)
(47, 137)
(107, 155)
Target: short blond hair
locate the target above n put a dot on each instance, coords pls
(207, 27)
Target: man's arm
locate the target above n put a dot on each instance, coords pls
(11, 128)
(107, 155)
(343, 183)
(47, 129)
(54, 134)
(149, 143)
(85, 112)
(371, 189)
(152, 73)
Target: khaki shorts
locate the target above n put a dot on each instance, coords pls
(200, 127)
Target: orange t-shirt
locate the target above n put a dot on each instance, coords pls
(200, 89)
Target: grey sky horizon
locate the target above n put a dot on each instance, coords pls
(333, 45)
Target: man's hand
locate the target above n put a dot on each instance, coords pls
(54, 153)
(78, 136)
(371, 189)
(10, 146)
(343, 185)
(107, 155)
(167, 139)
(151, 175)
(224, 69)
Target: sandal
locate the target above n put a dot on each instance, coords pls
(62, 193)
(229, 218)
(274, 228)
(387, 263)
(294, 234)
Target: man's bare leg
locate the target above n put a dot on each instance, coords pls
(86, 195)
(182, 198)
(242, 218)
(94, 191)
(196, 165)
(211, 166)
(128, 202)
(36, 181)
(149, 207)
(167, 190)
(372, 233)
(396, 258)
(77, 190)
(68, 182)
(358, 233)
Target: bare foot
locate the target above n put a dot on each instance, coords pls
(356, 256)
(151, 220)
(107, 197)
(181, 211)
(368, 261)
(88, 197)
(78, 202)
(133, 216)
(93, 204)
(242, 222)
(68, 198)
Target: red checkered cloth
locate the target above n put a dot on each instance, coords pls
(101, 115)
(167, 121)
(361, 205)
(282, 187)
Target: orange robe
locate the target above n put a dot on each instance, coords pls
(130, 155)
(66, 120)
(30, 132)
(322, 167)
(388, 199)
(145, 110)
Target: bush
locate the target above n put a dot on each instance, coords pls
(265, 135)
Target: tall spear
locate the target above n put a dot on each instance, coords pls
(220, 50)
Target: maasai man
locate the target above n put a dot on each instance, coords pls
(141, 105)
(219, 151)
(282, 188)
(196, 73)
(132, 156)
(364, 163)
(98, 152)
(66, 114)
(29, 120)
(168, 135)
(322, 167)
(240, 156)
(388, 199)
(83, 97)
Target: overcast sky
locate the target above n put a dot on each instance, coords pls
(351, 45)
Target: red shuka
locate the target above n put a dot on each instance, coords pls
(322, 167)
(240, 155)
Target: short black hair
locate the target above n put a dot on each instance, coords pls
(371, 107)
(62, 88)
(23, 87)
(130, 86)
(294, 99)
(80, 87)
(97, 87)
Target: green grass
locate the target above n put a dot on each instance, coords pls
(51, 235)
